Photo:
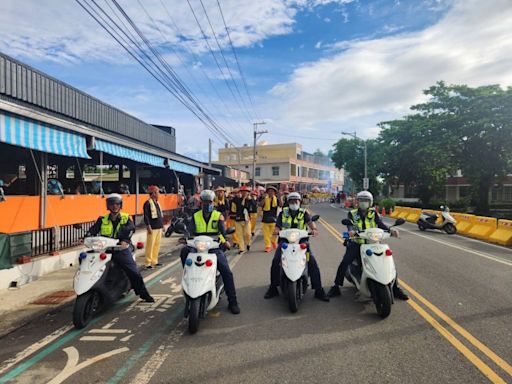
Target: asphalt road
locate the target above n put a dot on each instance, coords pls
(457, 327)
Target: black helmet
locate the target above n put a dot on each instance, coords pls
(113, 199)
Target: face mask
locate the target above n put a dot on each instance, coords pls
(294, 207)
(364, 204)
(208, 208)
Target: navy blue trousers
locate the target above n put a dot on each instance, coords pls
(124, 260)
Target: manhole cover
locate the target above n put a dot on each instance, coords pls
(54, 298)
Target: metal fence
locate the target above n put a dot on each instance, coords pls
(49, 240)
(21, 82)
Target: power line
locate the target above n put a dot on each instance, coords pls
(205, 38)
(236, 59)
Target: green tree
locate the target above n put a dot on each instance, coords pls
(477, 123)
(349, 154)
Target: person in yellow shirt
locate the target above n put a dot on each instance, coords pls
(240, 211)
(253, 210)
(269, 205)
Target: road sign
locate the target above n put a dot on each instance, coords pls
(366, 183)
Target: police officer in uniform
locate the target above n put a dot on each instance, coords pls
(363, 217)
(210, 222)
(295, 217)
(118, 225)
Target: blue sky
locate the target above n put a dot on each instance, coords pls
(313, 67)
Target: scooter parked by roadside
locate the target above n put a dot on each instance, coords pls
(428, 220)
(374, 274)
(201, 281)
(98, 282)
(294, 264)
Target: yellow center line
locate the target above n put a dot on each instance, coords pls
(484, 368)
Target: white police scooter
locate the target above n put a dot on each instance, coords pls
(201, 282)
(294, 264)
(429, 221)
(98, 282)
(375, 274)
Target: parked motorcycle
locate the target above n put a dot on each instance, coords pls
(201, 281)
(294, 266)
(98, 282)
(176, 220)
(374, 274)
(429, 221)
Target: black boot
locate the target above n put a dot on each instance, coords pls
(147, 298)
(320, 294)
(400, 294)
(271, 292)
(234, 308)
(334, 291)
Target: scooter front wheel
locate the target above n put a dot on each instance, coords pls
(194, 315)
(86, 306)
(293, 296)
(421, 227)
(450, 229)
(382, 299)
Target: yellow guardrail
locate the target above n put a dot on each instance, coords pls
(503, 234)
(483, 227)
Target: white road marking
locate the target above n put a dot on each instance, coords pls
(124, 339)
(34, 347)
(108, 330)
(494, 258)
(109, 325)
(72, 365)
(98, 338)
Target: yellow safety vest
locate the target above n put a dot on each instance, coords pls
(211, 228)
(288, 220)
(107, 227)
(369, 221)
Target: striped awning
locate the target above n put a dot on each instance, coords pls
(182, 167)
(128, 153)
(33, 134)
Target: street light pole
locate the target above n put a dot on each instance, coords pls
(255, 136)
(354, 135)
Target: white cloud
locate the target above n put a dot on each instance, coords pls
(379, 79)
(318, 45)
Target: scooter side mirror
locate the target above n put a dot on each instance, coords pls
(315, 218)
(399, 222)
(346, 222)
(230, 230)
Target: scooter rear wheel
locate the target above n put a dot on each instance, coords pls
(86, 306)
(450, 229)
(194, 315)
(421, 227)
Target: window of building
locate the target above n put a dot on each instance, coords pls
(257, 171)
(507, 193)
(275, 171)
(293, 170)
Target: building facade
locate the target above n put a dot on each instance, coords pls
(285, 164)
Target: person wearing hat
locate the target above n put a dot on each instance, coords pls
(269, 204)
(231, 216)
(154, 224)
(221, 203)
(240, 211)
(253, 210)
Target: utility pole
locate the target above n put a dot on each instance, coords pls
(365, 180)
(257, 134)
(209, 152)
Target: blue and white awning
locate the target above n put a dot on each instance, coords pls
(182, 167)
(128, 153)
(32, 134)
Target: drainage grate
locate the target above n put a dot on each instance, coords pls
(54, 298)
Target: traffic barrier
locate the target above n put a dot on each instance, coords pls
(413, 215)
(464, 222)
(503, 234)
(483, 227)
(404, 212)
(394, 212)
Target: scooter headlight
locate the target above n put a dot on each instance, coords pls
(202, 246)
(95, 243)
(293, 237)
(376, 237)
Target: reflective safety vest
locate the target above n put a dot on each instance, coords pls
(209, 229)
(107, 227)
(298, 221)
(369, 221)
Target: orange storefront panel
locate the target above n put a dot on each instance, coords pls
(21, 213)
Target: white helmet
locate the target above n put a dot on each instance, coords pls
(207, 195)
(114, 198)
(365, 195)
(294, 196)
